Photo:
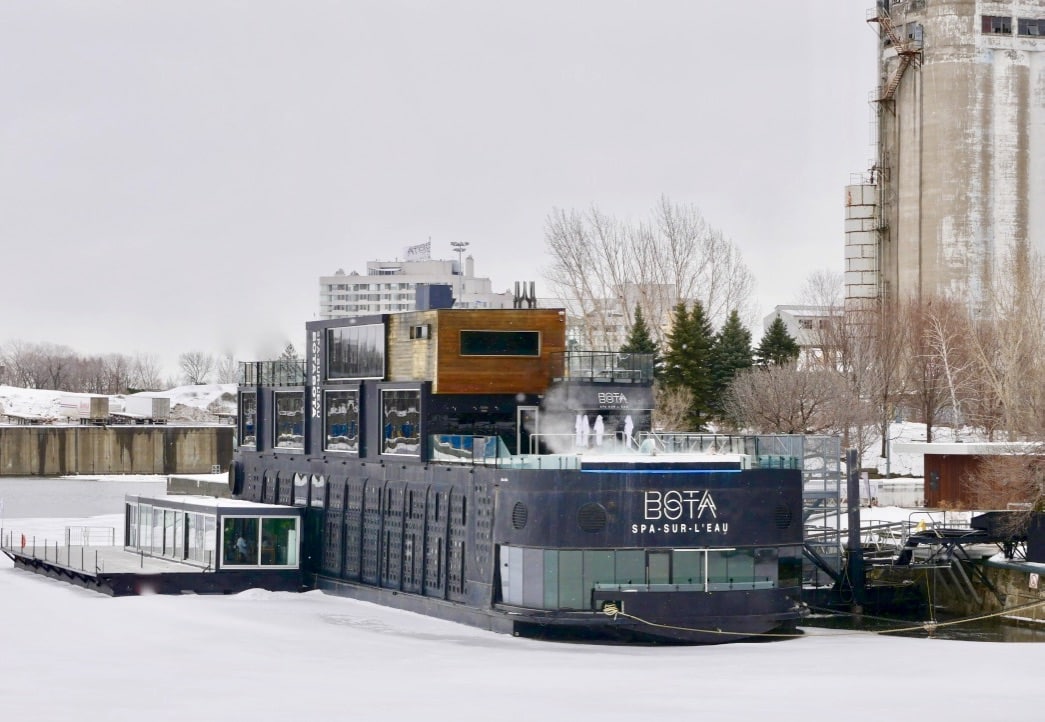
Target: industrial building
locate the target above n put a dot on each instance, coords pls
(960, 128)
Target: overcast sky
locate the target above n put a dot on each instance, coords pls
(177, 175)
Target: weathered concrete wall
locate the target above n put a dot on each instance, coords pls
(1013, 583)
(57, 450)
(961, 151)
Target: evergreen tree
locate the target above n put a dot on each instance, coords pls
(291, 369)
(640, 341)
(730, 354)
(777, 347)
(687, 362)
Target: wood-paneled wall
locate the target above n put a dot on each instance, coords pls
(438, 358)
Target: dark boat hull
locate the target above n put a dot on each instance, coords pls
(460, 543)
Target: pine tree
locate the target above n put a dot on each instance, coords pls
(687, 362)
(730, 354)
(290, 366)
(640, 341)
(777, 347)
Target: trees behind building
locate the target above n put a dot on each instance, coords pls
(59, 368)
(603, 268)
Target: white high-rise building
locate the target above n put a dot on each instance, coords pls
(391, 286)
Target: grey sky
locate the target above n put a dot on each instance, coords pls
(177, 175)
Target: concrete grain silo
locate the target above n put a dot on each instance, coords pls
(958, 185)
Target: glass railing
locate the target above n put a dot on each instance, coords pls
(285, 372)
(606, 366)
(492, 451)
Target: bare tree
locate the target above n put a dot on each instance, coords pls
(869, 347)
(145, 373)
(789, 400)
(1009, 346)
(672, 409)
(942, 331)
(603, 268)
(227, 370)
(20, 361)
(196, 366)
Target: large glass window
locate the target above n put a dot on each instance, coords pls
(199, 535)
(264, 541)
(401, 422)
(500, 343)
(240, 541)
(145, 526)
(342, 421)
(130, 537)
(157, 531)
(248, 411)
(565, 578)
(279, 542)
(290, 420)
(356, 352)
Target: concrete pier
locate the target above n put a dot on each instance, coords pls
(60, 450)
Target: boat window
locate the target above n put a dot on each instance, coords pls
(145, 526)
(789, 567)
(658, 566)
(342, 421)
(239, 541)
(401, 427)
(567, 579)
(279, 542)
(731, 568)
(356, 352)
(500, 343)
(630, 567)
(688, 566)
(290, 420)
(157, 531)
(130, 521)
(571, 580)
(248, 411)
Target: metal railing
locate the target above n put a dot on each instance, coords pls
(284, 372)
(74, 557)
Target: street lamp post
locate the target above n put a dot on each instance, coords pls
(459, 247)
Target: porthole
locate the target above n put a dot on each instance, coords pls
(592, 517)
(519, 515)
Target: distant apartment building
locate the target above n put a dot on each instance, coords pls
(809, 326)
(604, 324)
(391, 286)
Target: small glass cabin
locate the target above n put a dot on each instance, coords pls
(212, 533)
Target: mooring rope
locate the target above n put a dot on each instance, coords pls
(929, 626)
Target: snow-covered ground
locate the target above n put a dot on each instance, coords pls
(70, 654)
(188, 403)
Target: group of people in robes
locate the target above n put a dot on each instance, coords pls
(592, 433)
